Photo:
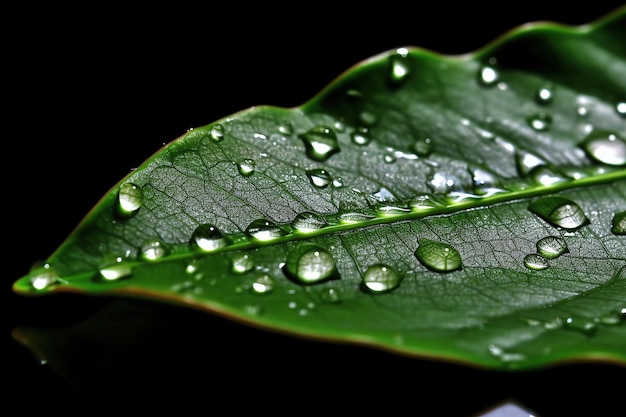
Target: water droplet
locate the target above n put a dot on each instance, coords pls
(263, 284)
(217, 133)
(535, 262)
(152, 250)
(424, 202)
(309, 263)
(540, 121)
(619, 223)
(581, 324)
(545, 94)
(423, 147)
(264, 230)
(208, 237)
(246, 167)
(546, 176)
(130, 199)
(560, 212)
(308, 222)
(320, 143)
(438, 256)
(620, 107)
(286, 129)
(487, 74)
(384, 195)
(398, 66)
(242, 263)
(113, 268)
(443, 183)
(605, 147)
(526, 162)
(319, 177)
(44, 277)
(331, 295)
(551, 247)
(361, 136)
(379, 278)
(354, 217)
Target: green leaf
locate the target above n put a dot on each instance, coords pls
(466, 208)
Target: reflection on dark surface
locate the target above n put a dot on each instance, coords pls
(127, 352)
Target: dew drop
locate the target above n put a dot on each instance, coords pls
(560, 212)
(620, 107)
(379, 278)
(44, 277)
(308, 222)
(309, 263)
(619, 223)
(545, 94)
(581, 324)
(424, 202)
(354, 217)
(605, 147)
(217, 133)
(208, 237)
(264, 230)
(443, 183)
(361, 137)
(152, 250)
(320, 143)
(438, 256)
(263, 284)
(423, 147)
(546, 176)
(130, 199)
(527, 161)
(487, 74)
(246, 167)
(551, 247)
(115, 267)
(241, 264)
(319, 177)
(398, 67)
(331, 295)
(540, 121)
(535, 262)
(286, 129)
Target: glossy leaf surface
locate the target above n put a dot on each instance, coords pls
(468, 208)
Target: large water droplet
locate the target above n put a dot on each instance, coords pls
(551, 247)
(264, 230)
(398, 66)
(438, 256)
(309, 263)
(113, 268)
(217, 133)
(535, 262)
(130, 199)
(619, 223)
(44, 277)
(319, 177)
(379, 278)
(208, 237)
(547, 176)
(308, 222)
(560, 212)
(605, 147)
(152, 250)
(320, 143)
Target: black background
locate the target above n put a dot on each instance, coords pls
(90, 93)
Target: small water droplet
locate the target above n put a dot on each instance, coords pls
(286, 129)
(217, 133)
(535, 262)
(379, 278)
(443, 183)
(425, 202)
(113, 268)
(319, 177)
(308, 222)
(605, 147)
(551, 247)
(560, 212)
(540, 121)
(44, 277)
(263, 230)
(208, 237)
(581, 324)
(309, 263)
(263, 284)
(152, 250)
(438, 256)
(545, 94)
(246, 167)
(130, 199)
(331, 295)
(354, 217)
(242, 263)
(320, 143)
(361, 136)
(423, 147)
(620, 107)
(399, 66)
(619, 223)
(487, 74)
(527, 161)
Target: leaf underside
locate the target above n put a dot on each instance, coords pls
(466, 208)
